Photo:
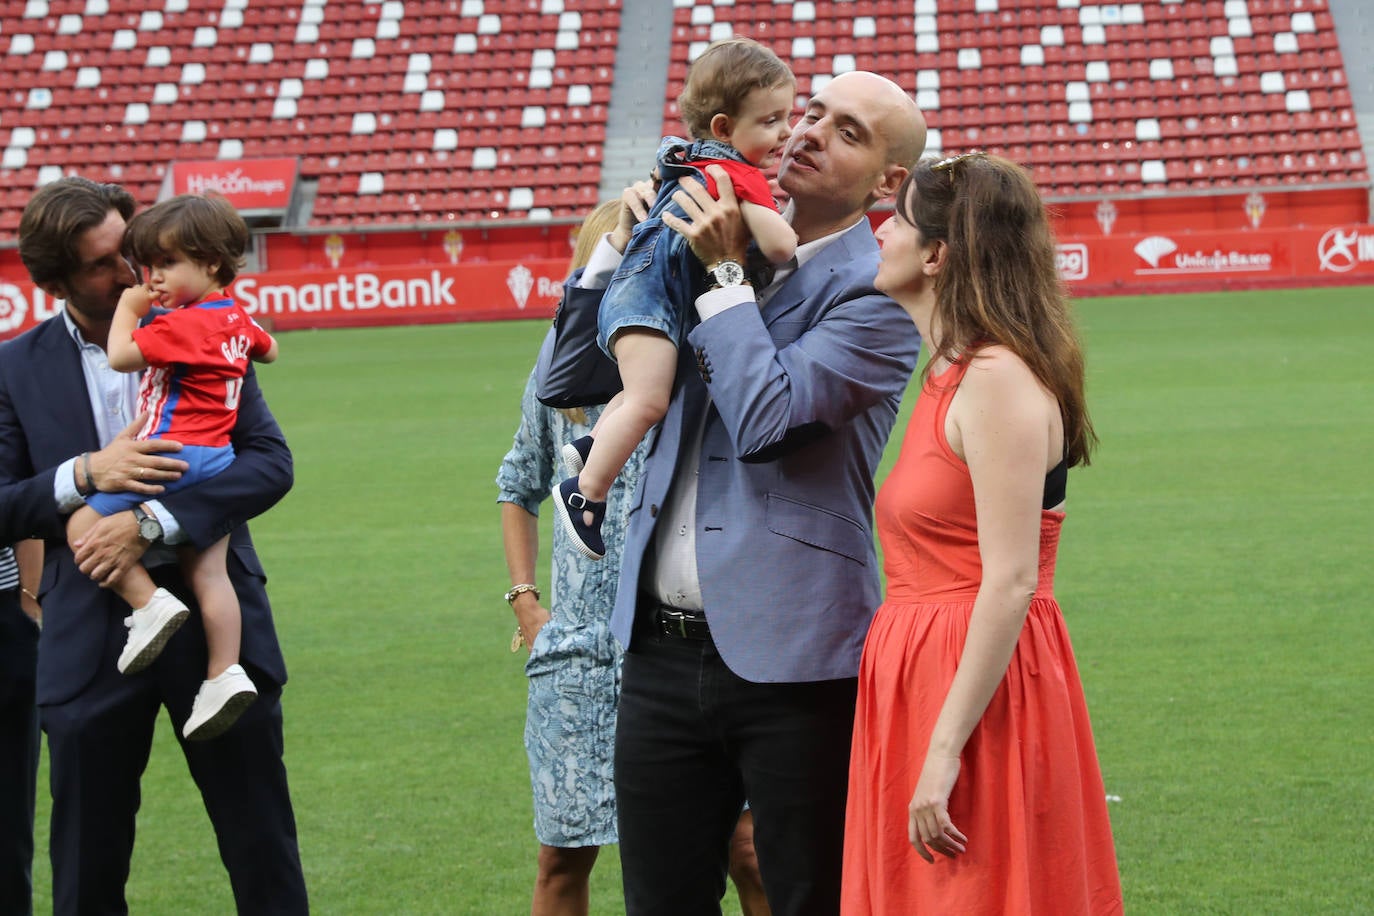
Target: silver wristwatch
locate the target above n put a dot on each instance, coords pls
(728, 272)
(149, 528)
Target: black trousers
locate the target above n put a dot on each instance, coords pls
(693, 741)
(19, 742)
(98, 746)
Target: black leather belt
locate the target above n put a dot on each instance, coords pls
(680, 624)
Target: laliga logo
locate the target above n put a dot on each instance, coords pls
(1337, 250)
(520, 281)
(1154, 248)
(13, 307)
(1071, 260)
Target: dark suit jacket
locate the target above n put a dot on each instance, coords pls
(800, 398)
(45, 418)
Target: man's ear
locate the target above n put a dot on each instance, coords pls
(891, 180)
(722, 127)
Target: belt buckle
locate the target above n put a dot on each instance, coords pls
(677, 623)
(673, 622)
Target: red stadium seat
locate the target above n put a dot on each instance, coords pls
(1206, 122)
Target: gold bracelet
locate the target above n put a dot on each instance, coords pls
(517, 590)
(24, 591)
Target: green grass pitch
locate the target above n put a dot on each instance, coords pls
(1215, 572)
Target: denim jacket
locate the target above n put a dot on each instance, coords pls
(659, 277)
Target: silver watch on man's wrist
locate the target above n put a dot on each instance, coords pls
(727, 272)
(149, 528)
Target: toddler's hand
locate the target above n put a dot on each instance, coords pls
(138, 299)
(635, 203)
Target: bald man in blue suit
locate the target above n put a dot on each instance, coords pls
(749, 574)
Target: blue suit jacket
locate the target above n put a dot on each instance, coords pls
(801, 398)
(45, 418)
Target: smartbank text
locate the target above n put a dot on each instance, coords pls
(356, 292)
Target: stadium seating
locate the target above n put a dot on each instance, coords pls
(1152, 97)
(496, 110)
(450, 106)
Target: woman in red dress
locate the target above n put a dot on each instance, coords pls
(974, 782)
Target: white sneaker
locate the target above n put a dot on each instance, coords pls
(219, 703)
(149, 629)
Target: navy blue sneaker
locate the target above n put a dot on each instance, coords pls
(575, 454)
(571, 504)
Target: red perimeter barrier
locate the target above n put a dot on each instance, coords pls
(1199, 261)
(321, 281)
(356, 298)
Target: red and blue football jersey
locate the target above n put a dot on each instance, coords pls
(197, 357)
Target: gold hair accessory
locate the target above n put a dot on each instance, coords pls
(947, 165)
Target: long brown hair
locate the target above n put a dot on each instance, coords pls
(999, 284)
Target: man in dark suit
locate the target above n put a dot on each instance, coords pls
(19, 614)
(749, 576)
(65, 431)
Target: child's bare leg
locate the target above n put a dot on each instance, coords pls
(648, 365)
(575, 452)
(219, 605)
(136, 587)
(227, 690)
(609, 410)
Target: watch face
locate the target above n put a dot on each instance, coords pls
(148, 527)
(729, 273)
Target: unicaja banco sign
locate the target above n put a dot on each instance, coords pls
(1163, 255)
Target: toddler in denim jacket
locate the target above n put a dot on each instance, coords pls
(736, 103)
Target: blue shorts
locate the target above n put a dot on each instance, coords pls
(205, 462)
(639, 294)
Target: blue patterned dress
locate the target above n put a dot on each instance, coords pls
(574, 665)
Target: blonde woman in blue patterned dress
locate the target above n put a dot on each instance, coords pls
(574, 669)
(574, 661)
